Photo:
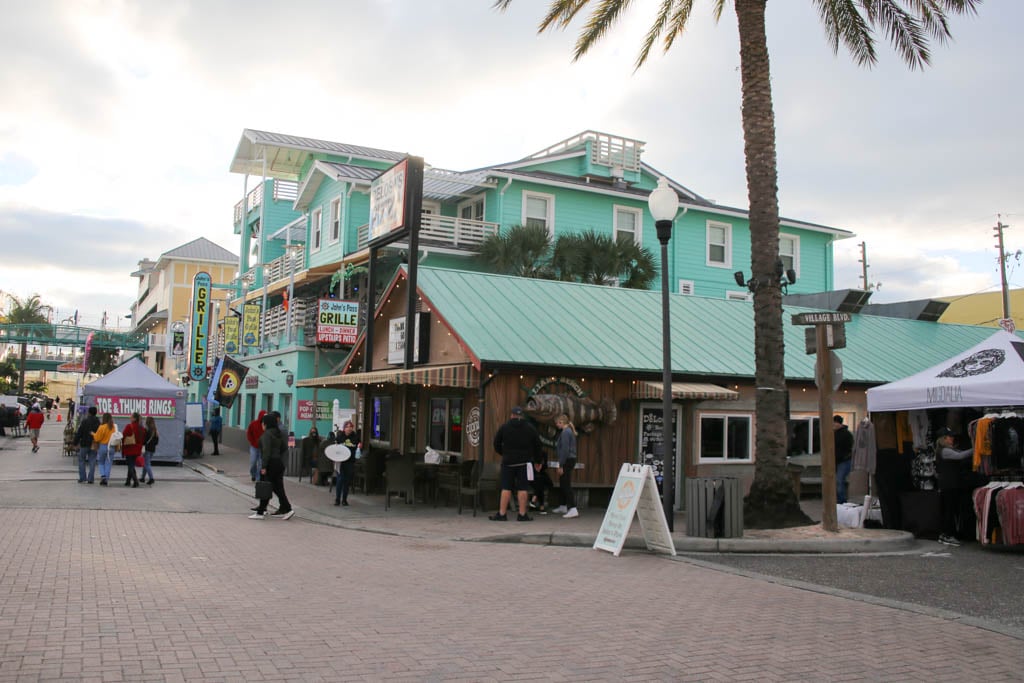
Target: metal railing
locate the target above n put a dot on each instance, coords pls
(283, 190)
(463, 233)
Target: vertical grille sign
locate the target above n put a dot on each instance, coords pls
(231, 334)
(200, 326)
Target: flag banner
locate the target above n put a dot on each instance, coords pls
(231, 334)
(211, 395)
(251, 325)
(229, 380)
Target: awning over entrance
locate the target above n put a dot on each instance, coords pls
(685, 390)
(463, 375)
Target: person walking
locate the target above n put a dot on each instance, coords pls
(273, 448)
(348, 437)
(101, 442)
(565, 448)
(216, 425)
(131, 447)
(84, 438)
(34, 422)
(844, 456)
(518, 444)
(252, 434)
(149, 448)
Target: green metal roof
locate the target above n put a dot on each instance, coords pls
(520, 321)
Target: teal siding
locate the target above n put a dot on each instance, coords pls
(329, 252)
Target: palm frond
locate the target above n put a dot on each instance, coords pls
(844, 24)
(678, 24)
(654, 32)
(561, 13)
(599, 23)
(904, 31)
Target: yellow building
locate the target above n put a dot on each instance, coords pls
(985, 308)
(165, 297)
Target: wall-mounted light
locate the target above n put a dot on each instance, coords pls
(279, 362)
(261, 366)
(784, 278)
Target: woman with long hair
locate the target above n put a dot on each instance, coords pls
(152, 439)
(131, 448)
(565, 447)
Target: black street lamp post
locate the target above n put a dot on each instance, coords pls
(664, 204)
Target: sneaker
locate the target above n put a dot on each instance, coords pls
(524, 518)
(288, 515)
(258, 515)
(948, 540)
(498, 518)
(571, 513)
(542, 511)
(560, 510)
(533, 505)
(337, 502)
(279, 512)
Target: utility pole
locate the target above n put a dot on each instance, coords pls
(1002, 265)
(864, 268)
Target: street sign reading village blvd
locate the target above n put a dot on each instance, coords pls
(821, 318)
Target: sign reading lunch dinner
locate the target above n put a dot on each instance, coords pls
(337, 322)
(124, 406)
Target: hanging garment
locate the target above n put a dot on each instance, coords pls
(865, 451)
(918, 420)
(1010, 507)
(983, 445)
(982, 498)
(1007, 444)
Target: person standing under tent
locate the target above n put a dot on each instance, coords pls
(149, 449)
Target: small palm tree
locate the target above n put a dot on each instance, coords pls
(30, 311)
(524, 250)
(598, 259)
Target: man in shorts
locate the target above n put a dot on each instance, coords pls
(518, 444)
(34, 422)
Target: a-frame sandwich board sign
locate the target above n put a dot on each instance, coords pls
(636, 491)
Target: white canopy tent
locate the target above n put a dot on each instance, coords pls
(990, 374)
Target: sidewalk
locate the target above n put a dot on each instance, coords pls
(423, 520)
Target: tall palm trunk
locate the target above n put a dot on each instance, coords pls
(21, 370)
(772, 501)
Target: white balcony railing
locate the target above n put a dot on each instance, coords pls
(284, 190)
(463, 233)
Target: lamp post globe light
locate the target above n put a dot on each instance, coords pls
(664, 204)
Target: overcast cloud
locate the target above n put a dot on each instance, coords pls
(121, 119)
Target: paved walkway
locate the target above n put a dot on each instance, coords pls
(367, 513)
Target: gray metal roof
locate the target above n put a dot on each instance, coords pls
(201, 249)
(504, 320)
(286, 154)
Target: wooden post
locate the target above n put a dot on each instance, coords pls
(829, 520)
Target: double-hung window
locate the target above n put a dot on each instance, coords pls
(719, 238)
(335, 220)
(317, 228)
(628, 225)
(789, 252)
(725, 438)
(472, 209)
(539, 209)
(804, 436)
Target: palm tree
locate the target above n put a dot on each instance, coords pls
(599, 259)
(523, 250)
(909, 25)
(30, 311)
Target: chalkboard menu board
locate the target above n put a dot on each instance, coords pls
(651, 437)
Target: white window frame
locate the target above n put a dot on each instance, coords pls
(810, 419)
(738, 295)
(550, 217)
(727, 227)
(471, 203)
(725, 447)
(335, 234)
(638, 231)
(316, 218)
(431, 207)
(795, 256)
(686, 287)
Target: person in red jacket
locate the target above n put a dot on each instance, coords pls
(252, 434)
(131, 448)
(34, 422)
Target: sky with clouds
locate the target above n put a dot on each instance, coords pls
(122, 116)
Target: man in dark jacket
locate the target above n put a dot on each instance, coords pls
(518, 444)
(844, 456)
(273, 447)
(83, 437)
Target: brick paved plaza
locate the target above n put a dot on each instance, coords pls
(174, 583)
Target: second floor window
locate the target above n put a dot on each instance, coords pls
(627, 225)
(317, 228)
(719, 245)
(539, 209)
(472, 210)
(789, 252)
(335, 220)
